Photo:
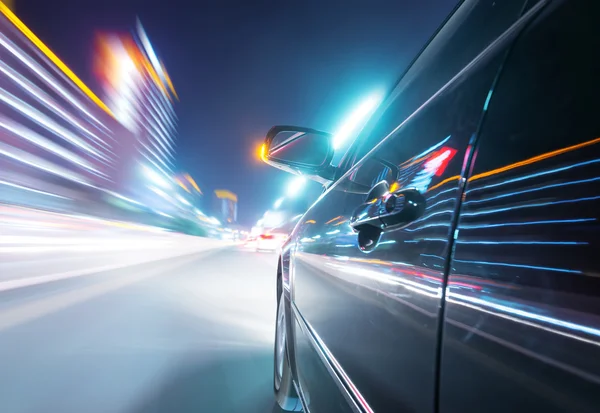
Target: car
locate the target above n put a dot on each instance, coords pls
(451, 262)
(270, 241)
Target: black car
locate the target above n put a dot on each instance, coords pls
(453, 262)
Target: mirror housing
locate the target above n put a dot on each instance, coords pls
(301, 151)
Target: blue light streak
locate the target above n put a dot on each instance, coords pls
(518, 224)
(532, 267)
(582, 181)
(535, 175)
(511, 208)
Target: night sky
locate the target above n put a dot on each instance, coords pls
(241, 67)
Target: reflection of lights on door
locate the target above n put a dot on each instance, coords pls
(434, 166)
(440, 160)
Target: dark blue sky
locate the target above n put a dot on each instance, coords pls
(241, 67)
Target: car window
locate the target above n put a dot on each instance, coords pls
(523, 307)
(471, 28)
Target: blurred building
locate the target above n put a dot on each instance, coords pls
(140, 94)
(58, 140)
(226, 206)
(63, 148)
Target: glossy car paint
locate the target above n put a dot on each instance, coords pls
(522, 329)
(366, 328)
(365, 307)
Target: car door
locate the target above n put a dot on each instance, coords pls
(367, 316)
(522, 324)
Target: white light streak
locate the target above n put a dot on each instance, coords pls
(36, 162)
(46, 77)
(46, 144)
(46, 122)
(44, 98)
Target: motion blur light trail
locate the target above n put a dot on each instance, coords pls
(295, 186)
(355, 121)
(63, 149)
(38, 247)
(5, 10)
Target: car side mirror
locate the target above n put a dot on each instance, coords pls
(301, 151)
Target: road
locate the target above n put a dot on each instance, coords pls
(192, 333)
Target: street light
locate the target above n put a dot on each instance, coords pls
(295, 186)
(355, 119)
(272, 219)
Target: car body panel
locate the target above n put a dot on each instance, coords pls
(522, 325)
(367, 306)
(490, 299)
(317, 367)
(378, 314)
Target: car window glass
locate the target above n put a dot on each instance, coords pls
(474, 25)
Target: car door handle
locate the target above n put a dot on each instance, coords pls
(385, 211)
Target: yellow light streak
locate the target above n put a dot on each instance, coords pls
(181, 184)
(334, 219)
(5, 10)
(168, 78)
(534, 159)
(194, 184)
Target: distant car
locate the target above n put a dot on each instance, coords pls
(451, 265)
(271, 241)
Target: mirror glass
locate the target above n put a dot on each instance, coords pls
(303, 148)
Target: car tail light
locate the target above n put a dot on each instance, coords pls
(266, 236)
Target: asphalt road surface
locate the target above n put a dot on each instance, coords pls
(187, 334)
